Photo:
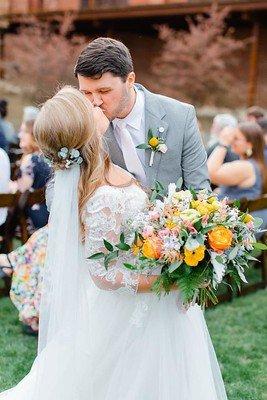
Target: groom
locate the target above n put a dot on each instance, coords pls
(105, 73)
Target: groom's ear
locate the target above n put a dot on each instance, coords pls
(130, 79)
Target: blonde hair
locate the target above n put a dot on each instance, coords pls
(66, 120)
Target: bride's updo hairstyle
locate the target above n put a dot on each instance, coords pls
(66, 120)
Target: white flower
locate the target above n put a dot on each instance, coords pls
(162, 148)
(171, 190)
(189, 215)
(218, 268)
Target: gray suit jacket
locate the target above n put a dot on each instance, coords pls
(185, 157)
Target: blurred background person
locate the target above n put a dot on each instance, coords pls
(255, 113)
(220, 122)
(246, 177)
(33, 172)
(263, 124)
(7, 127)
(24, 266)
(4, 182)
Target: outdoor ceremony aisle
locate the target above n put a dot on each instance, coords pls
(238, 331)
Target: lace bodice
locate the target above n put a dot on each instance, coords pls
(105, 216)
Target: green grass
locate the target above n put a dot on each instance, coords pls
(238, 331)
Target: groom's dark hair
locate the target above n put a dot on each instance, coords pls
(104, 55)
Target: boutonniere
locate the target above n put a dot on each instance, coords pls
(154, 143)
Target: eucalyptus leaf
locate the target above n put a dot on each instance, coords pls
(174, 266)
(143, 146)
(129, 266)
(150, 134)
(179, 183)
(108, 245)
(257, 222)
(259, 246)
(123, 246)
(233, 253)
(96, 256)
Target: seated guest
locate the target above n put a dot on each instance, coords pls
(6, 126)
(220, 122)
(33, 173)
(3, 141)
(25, 265)
(263, 124)
(4, 180)
(255, 113)
(244, 178)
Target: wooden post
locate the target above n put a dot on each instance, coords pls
(1, 53)
(253, 65)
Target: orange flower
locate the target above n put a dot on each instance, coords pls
(152, 247)
(220, 238)
(136, 247)
(192, 257)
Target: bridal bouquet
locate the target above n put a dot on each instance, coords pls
(193, 238)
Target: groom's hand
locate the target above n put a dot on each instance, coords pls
(101, 121)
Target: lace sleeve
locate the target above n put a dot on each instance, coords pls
(103, 220)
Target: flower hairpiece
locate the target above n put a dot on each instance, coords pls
(70, 156)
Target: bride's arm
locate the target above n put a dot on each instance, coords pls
(103, 220)
(145, 283)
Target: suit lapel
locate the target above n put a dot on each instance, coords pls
(154, 120)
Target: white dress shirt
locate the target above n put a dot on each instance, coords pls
(135, 123)
(4, 180)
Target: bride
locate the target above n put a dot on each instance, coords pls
(103, 334)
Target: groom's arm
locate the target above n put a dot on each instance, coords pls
(194, 156)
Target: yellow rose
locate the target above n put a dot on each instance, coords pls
(152, 248)
(189, 215)
(153, 142)
(220, 238)
(170, 224)
(247, 218)
(192, 257)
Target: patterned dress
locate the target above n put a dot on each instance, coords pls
(28, 261)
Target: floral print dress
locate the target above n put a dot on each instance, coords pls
(28, 261)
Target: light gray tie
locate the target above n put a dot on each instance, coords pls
(132, 161)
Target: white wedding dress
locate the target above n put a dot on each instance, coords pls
(129, 345)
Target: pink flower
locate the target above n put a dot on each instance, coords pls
(147, 231)
(154, 215)
(163, 232)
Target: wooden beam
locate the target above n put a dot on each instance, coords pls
(146, 11)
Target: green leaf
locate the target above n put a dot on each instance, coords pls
(109, 257)
(236, 203)
(179, 183)
(143, 146)
(96, 256)
(233, 253)
(219, 259)
(108, 245)
(149, 134)
(257, 222)
(129, 266)
(259, 246)
(159, 186)
(174, 266)
(123, 246)
(194, 193)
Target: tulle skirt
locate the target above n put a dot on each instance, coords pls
(127, 347)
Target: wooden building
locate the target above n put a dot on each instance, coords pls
(133, 22)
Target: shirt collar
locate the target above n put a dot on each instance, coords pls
(134, 118)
